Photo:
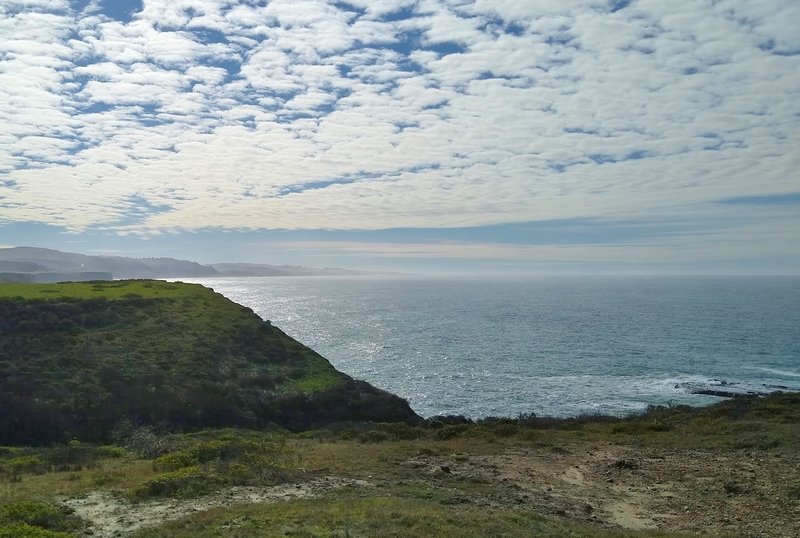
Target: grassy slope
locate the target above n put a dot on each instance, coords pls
(77, 358)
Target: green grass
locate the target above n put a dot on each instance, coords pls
(120, 289)
(372, 516)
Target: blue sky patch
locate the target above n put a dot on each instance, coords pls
(775, 199)
(122, 11)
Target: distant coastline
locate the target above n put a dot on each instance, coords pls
(31, 264)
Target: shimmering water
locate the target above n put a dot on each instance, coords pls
(553, 346)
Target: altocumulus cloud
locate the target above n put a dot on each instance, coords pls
(189, 114)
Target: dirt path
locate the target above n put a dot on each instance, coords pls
(113, 516)
(733, 493)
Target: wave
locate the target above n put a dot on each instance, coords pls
(776, 371)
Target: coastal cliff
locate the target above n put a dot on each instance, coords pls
(77, 359)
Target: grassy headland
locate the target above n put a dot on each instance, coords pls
(79, 359)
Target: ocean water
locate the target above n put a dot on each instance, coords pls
(550, 346)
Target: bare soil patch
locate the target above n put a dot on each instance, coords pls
(732, 493)
(111, 515)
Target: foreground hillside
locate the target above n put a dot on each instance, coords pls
(78, 360)
(731, 469)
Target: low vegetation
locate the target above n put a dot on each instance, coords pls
(729, 469)
(37, 519)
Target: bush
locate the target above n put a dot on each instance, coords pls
(25, 464)
(500, 426)
(374, 436)
(35, 518)
(220, 450)
(207, 465)
(72, 457)
(112, 451)
(145, 441)
(451, 431)
(186, 482)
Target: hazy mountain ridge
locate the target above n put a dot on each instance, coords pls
(262, 269)
(18, 261)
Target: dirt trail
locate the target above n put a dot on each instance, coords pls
(736, 493)
(113, 516)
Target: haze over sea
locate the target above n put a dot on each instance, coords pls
(554, 346)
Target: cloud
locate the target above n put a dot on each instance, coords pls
(383, 114)
(754, 241)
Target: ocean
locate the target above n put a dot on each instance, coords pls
(553, 346)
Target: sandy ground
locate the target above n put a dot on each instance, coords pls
(113, 516)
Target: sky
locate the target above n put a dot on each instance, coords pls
(502, 136)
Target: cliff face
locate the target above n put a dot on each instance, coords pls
(77, 359)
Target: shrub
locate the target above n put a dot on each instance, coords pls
(186, 482)
(500, 426)
(374, 436)
(203, 467)
(36, 518)
(145, 441)
(223, 450)
(112, 451)
(72, 457)
(451, 431)
(401, 430)
(25, 464)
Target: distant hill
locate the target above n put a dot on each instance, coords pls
(31, 260)
(78, 359)
(47, 260)
(260, 269)
(21, 267)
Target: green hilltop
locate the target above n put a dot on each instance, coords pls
(77, 359)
